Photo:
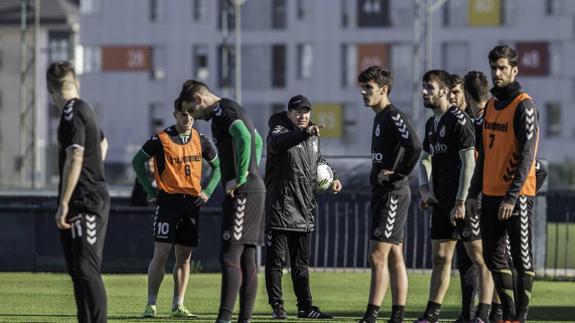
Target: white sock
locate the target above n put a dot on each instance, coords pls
(152, 299)
(177, 301)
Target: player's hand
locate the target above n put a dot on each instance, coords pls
(383, 176)
(458, 212)
(427, 197)
(60, 217)
(505, 211)
(335, 186)
(472, 206)
(314, 130)
(231, 186)
(423, 205)
(201, 199)
(152, 197)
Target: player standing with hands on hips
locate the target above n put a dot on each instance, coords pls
(291, 175)
(177, 153)
(395, 150)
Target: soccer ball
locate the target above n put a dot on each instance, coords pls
(324, 177)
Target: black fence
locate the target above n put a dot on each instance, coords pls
(29, 239)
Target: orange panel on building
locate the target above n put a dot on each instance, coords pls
(372, 54)
(124, 58)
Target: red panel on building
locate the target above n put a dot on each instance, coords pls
(533, 58)
(124, 58)
(372, 54)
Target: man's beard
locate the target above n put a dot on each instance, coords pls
(430, 106)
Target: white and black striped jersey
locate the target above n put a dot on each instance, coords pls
(391, 134)
(445, 137)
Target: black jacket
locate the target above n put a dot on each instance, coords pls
(291, 176)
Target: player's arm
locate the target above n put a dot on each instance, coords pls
(409, 141)
(70, 176)
(427, 198)
(526, 126)
(540, 174)
(209, 154)
(103, 145)
(467, 157)
(259, 146)
(215, 176)
(281, 139)
(243, 145)
(139, 165)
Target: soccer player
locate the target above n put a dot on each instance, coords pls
(83, 199)
(506, 177)
(177, 153)
(395, 150)
(239, 147)
(293, 148)
(467, 272)
(446, 168)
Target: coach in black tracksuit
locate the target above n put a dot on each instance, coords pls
(291, 175)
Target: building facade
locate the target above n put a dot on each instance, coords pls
(136, 55)
(58, 21)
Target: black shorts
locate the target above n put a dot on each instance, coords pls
(243, 221)
(442, 229)
(177, 224)
(389, 216)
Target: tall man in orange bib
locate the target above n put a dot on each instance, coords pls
(505, 175)
(178, 152)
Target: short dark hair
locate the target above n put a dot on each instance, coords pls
(57, 72)
(377, 74)
(504, 51)
(456, 79)
(440, 76)
(475, 83)
(189, 88)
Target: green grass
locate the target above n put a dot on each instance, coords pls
(43, 297)
(557, 234)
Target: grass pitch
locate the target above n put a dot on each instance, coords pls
(44, 297)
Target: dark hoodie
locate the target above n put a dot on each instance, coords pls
(291, 176)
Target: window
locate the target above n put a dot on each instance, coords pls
(456, 57)
(279, 14)
(256, 66)
(1, 54)
(455, 13)
(304, 9)
(59, 46)
(226, 65)
(552, 7)
(89, 6)
(226, 18)
(348, 61)
(157, 10)
(553, 118)
(278, 66)
(200, 62)
(401, 69)
(159, 62)
(304, 61)
(373, 13)
(199, 10)
(92, 59)
(155, 116)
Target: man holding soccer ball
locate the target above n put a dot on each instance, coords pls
(291, 184)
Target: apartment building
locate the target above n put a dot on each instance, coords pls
(137, 53)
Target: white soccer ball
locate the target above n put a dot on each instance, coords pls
(324, 177)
